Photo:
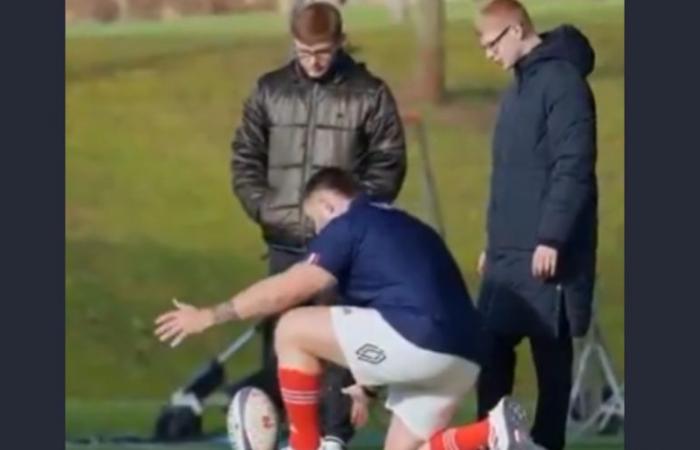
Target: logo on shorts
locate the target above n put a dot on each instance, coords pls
(370, 353)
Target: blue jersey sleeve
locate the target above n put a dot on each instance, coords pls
(332, 248)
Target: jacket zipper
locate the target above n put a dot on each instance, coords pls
(310, 128)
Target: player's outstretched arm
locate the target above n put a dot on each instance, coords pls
(275, 294)
(269, 296)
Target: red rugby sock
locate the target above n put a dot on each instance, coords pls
(300, 394)
(468, 437)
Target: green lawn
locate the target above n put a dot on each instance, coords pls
(356, 18)
(603, 445)
(122, 418)
(150, 215)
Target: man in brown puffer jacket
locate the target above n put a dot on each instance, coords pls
(322, 109)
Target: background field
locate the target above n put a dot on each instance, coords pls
(151, 108)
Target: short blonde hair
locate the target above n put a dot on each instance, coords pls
(507, 9)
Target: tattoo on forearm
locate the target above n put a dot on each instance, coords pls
(224, 312)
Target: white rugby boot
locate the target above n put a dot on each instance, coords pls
(327, 443)
(332, 443)
(508, 427)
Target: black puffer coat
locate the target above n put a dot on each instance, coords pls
(544, 190)
(292, 126)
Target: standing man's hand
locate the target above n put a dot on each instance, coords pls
(544, 262)
(481, 265)
(360, 405)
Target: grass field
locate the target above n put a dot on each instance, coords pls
(365, 441)
(597, 445)
(135, 418)
(150, 112)
(371, 442)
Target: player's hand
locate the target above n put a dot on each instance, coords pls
(481, 265)
(176, 325)
(359, 414)
(544, 262)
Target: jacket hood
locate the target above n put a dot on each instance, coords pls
(565, 42)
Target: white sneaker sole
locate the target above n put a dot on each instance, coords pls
(508, 426)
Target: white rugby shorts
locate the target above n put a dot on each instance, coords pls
(424, 387)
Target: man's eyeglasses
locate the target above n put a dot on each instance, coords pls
(324, 53)
(494, 42)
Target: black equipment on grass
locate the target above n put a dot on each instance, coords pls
(181, 418)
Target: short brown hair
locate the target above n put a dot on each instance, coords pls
(333, 179)
(511, 9)
(316, 23)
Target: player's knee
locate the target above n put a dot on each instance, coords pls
(407, 443)
(288, 330)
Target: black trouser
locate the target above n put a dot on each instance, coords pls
(553, 358)
(335, 406)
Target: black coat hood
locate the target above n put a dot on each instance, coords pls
(565, 43)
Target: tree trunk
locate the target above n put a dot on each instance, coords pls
(430, 27)
(285, 7)
(398, 10)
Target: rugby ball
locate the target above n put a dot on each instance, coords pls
(252, 421)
